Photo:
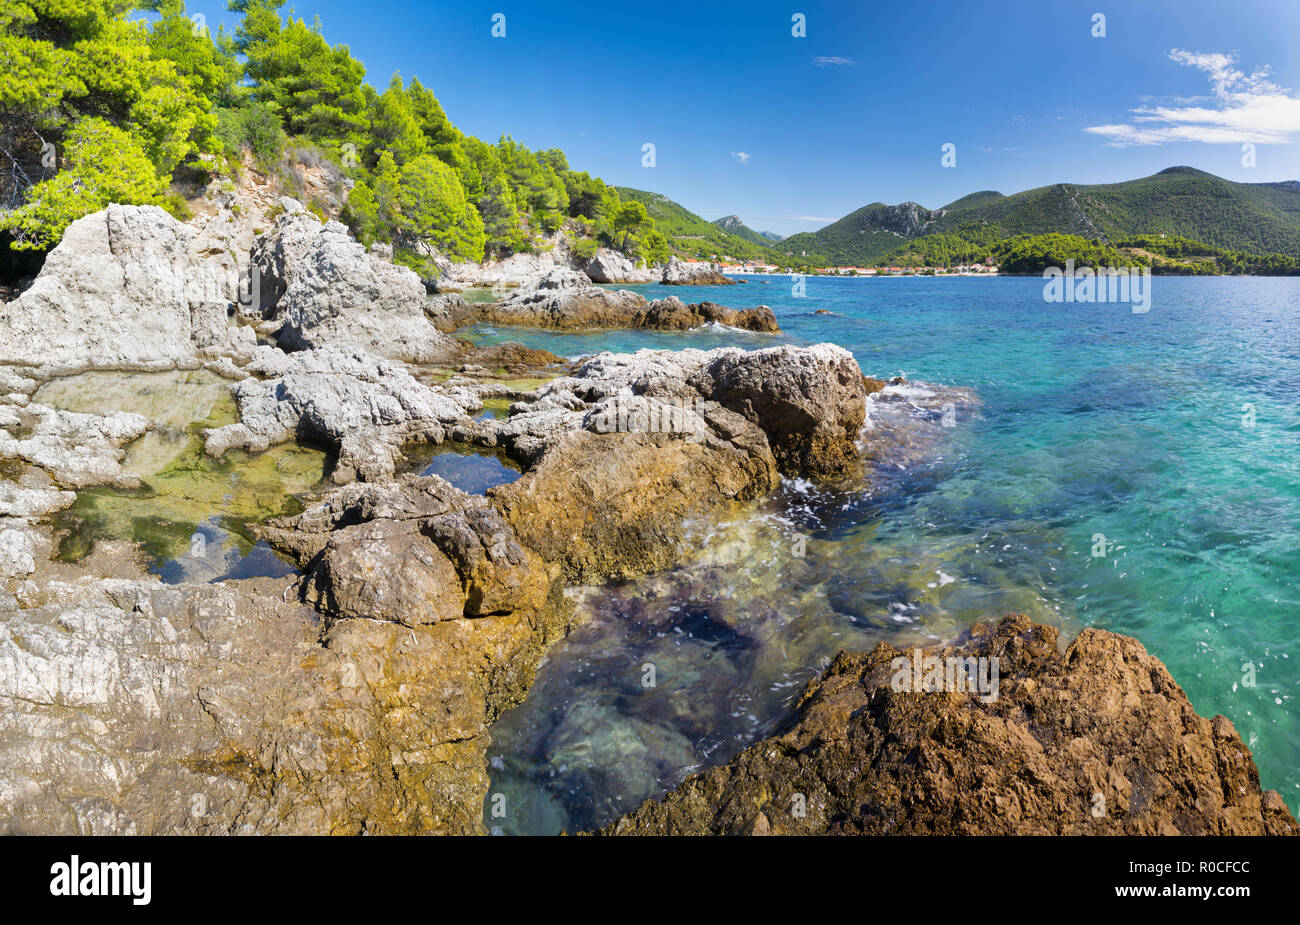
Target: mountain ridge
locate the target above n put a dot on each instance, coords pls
(691, 235)
(733, 224)
(1179, 200)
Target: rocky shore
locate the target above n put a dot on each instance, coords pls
(605, 266)
(566, 300)
(355, 695)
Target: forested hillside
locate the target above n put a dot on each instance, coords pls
(113, 101)
(732, 225)
(1254, 218)
(690, 234)
(108, 101)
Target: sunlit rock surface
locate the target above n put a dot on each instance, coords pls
(125, 288)
(320, 287)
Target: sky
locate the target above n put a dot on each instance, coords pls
(792, 132)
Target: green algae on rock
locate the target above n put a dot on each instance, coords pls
(166, 516)
(187, 496)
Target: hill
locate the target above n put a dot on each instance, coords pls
(860, 236)
(733, 225)
(1260, 218)
(691, 235)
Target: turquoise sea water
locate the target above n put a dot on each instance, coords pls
(1095, 427)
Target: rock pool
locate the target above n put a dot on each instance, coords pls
(191, 514)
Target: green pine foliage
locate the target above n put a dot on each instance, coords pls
(103, 164)
(96, 107)
(1032, 254)
(129, 93)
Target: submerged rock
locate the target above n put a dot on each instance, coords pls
(1095, 738)
(362, 702)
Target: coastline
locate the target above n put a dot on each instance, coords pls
(418, 612)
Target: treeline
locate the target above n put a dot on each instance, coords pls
(688, 233)
(129, 105)
(1033, 253)
(1186, 257)
(96, 108)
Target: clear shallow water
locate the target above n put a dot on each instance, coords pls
(1091, 422)
(191, 514)
(469, 469)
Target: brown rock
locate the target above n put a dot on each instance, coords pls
(811, 402)
(386, 570)
(614, 504)
(672, 314)
(1095, 739)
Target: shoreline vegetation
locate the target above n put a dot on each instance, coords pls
(1031, 255)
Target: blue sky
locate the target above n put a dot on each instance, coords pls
(790, 133)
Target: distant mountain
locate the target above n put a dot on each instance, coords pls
(694, 236)
(733, 225)
(1256, 217)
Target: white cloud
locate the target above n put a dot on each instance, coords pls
(1244, 107)
(807, 218)
(740, 156)
(833, 61)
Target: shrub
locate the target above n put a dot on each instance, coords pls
(251, 125)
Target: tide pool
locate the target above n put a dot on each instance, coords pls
(192, 511)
